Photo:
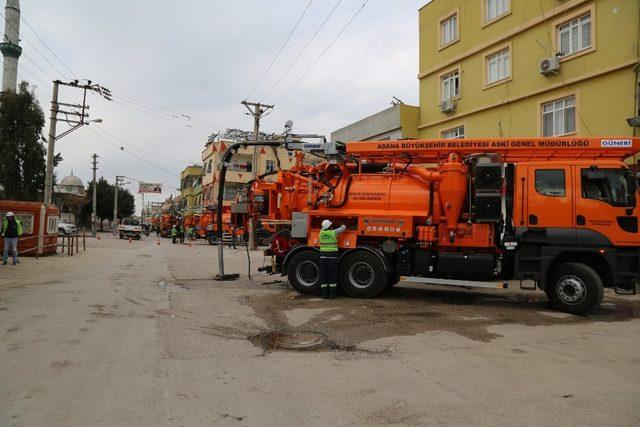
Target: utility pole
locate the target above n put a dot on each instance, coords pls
(94, 205)
(257, 112)
(119, 180)
(53, 119)
(76, 116)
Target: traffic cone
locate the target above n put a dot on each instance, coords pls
(158, 242)
(98, 236)
(190, 244)
(129, 239)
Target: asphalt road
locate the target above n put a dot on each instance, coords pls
(138, 334)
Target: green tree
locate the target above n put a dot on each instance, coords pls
(22, 153)
(104, 198)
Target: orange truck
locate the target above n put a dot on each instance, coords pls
(561, 212)
(206, 227)
(167, 221)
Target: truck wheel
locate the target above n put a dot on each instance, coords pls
(303, 272)
(574, 288)
(361, 275)
(213, 240)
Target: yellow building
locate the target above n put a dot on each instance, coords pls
(191, 187)
(240, 170)
(509, 68)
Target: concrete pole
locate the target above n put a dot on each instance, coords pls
(115, 207)
(41, 230)
(51, 146)
(94, 205)
(254, 165)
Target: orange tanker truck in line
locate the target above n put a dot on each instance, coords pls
(206, 226)
(559, 211)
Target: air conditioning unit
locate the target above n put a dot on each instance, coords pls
(448, 105)
(550, 66)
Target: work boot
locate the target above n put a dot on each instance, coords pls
(15, 262)
(324, 292)
(333, 290)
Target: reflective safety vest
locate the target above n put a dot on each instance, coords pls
(328, 241)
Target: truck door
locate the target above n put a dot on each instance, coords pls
(550, 196)
(606, 202)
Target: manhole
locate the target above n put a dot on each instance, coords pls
(299, 341)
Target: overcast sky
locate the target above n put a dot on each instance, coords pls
(200, 58)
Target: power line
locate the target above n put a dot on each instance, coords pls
(134, 107)
(134, 155)
(166, 111)
(323, 52)
(279, 51)
(302, 51)
(143, 150)
(47, 46)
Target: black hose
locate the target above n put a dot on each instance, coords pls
(226, 158)
(346, 195)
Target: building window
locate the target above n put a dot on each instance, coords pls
(455, 133)
(494, 9)
(449, 30)
(575, 35)
(550, 182)
(498, 66)
(559, 117)
(230, 192)
(210, 166)
(450, 85)
(270, 166)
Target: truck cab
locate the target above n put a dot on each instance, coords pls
(581, 212)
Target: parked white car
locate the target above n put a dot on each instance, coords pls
(66, 228)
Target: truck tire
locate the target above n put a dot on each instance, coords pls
(361, 275)
(303, 272)
(574, 288)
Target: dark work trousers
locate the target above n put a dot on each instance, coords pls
(328, 274)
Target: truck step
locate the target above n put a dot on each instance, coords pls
(632, 291)
(451, 282)
(528, 288)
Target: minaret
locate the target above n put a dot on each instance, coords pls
(9, 46)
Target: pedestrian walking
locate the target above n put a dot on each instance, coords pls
(329, 259)
(11, 230)
(234, 237)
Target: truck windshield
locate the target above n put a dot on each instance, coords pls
(616, 187)
(130, 222)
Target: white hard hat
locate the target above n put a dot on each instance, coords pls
(9, 213)
(326, 224)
